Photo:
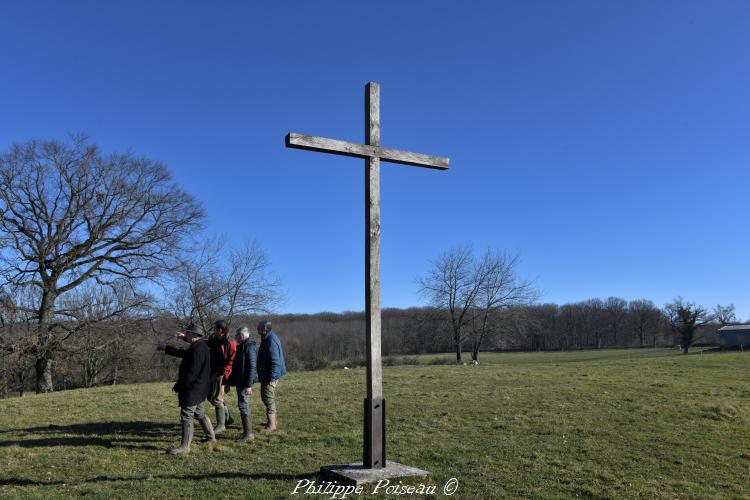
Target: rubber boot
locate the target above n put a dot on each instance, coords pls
(208, 429)
(230, 420)
(247, 434)
(270, 425)
(187, 437)
(220, 420)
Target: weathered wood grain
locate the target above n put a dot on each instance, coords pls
(345, 148)
(373, 454)
(372, 243)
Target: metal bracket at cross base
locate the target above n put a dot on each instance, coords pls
(374, 446)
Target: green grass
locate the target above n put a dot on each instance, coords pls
(589, 424)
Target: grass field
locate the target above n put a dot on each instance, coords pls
(590, 424)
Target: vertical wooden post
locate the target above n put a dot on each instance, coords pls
(374, 421)
(374, 428)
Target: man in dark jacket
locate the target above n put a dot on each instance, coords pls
(193, 383)
(244, 375)
(271, 368)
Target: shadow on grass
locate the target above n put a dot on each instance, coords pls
(105, 434)
(269, 476)
(138, 428)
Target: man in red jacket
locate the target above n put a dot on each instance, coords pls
(223, 349)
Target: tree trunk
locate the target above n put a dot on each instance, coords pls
(43, 368)
(475, 346)
(687, 340)
(43, 363)
(21, 381)
(458, 352)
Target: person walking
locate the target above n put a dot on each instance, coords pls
(244, 375)
(223, 351)
(271, 368)
(193, 383)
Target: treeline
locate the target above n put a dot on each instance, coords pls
(317, 340)
(122, 350)
(104, 255)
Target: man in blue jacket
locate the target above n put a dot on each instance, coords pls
(271, 368)
(244, 375)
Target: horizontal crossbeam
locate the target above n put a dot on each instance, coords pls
(333, 146)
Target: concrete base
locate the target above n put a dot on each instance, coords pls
(355, 474)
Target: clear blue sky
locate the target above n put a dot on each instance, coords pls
(606, 142)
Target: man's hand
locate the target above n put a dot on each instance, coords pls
(248, 391)
(161, 346)
(180, 335)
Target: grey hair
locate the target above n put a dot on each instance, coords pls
(243, 331)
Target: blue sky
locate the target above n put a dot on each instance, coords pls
(608, 143)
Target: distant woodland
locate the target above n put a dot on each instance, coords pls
(122, 351)
(103, 255)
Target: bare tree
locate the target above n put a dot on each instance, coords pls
(452, 284)
(500, 288)
(685, 318)
(70, 215)
(473, 292)
(214, 283)
(724, 314)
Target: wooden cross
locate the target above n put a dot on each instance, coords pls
(374, 425)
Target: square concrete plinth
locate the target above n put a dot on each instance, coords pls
(356, 474)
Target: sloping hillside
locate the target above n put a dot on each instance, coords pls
(632, 424)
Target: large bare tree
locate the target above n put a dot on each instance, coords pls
(473, 290)
(452, 284)
(70, 215)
